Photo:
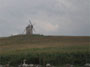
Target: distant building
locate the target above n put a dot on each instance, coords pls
(29, 29)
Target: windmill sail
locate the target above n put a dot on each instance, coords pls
(30, 21)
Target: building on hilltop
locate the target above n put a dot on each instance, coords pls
(29, 29)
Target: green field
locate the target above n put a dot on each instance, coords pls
(57, 50)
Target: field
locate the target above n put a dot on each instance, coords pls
(39, 49)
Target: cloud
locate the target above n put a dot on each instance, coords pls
(49, 27)
(51, 17)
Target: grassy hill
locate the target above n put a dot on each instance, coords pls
(54, 46)
(23, 42)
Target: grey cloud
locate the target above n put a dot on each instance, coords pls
(71, 16)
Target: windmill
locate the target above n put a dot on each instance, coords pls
(30, 29)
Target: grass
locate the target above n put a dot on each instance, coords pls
(55, 48)
(23, 42)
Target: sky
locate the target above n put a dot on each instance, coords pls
(49, 17)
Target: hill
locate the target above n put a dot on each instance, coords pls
(36, 48)
(23, 42)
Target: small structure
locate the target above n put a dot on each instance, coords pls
(24, 64)
(29, 29)
(1, 65)
(69, 65)
(31, 65)
(48, 65)
(87, 65)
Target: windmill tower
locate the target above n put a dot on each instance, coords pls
(29, 29)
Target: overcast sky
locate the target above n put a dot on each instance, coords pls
(50, 17)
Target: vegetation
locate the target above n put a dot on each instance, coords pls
(39, 49)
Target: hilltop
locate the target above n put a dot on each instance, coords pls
(23, 42)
